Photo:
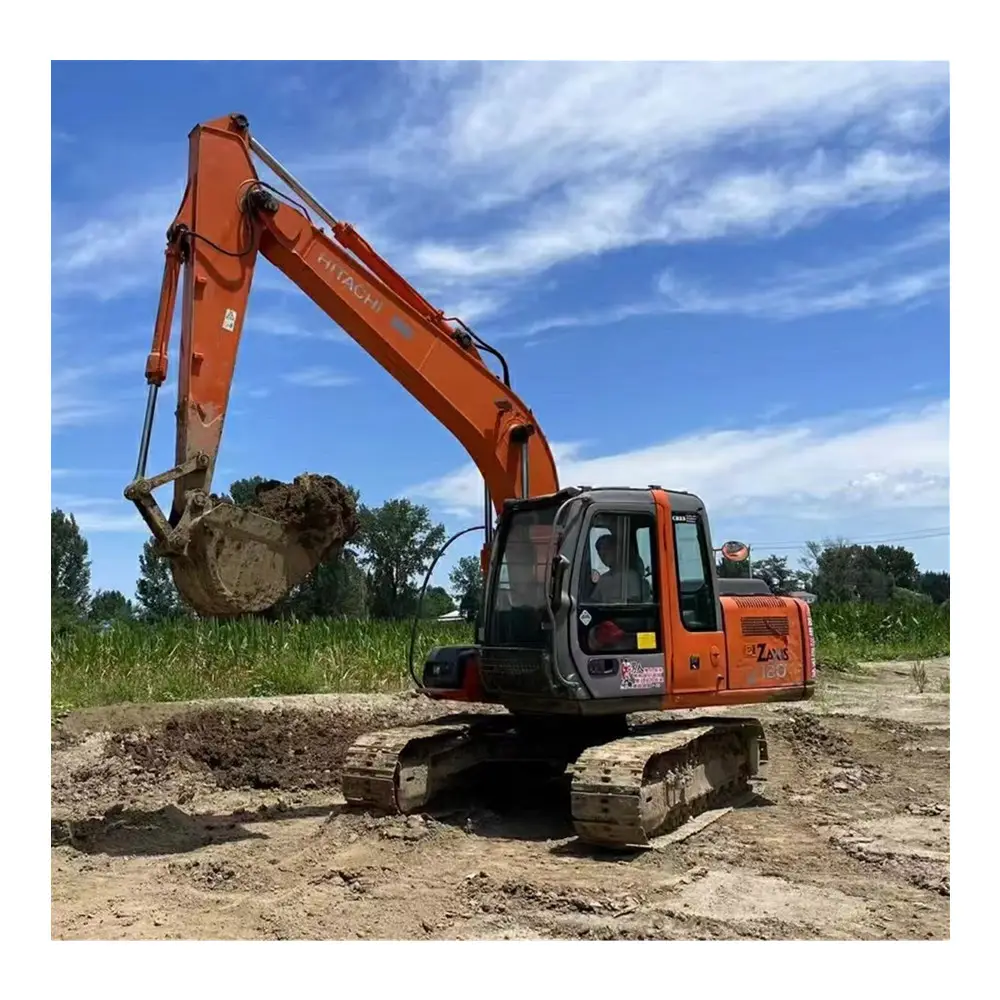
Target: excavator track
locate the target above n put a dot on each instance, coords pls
(631, 790)
(401, 770)
(623, 793)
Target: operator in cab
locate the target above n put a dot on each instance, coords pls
(617, 586)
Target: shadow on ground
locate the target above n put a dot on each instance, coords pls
(136, 832)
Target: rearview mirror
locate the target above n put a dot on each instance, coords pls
(735, 552)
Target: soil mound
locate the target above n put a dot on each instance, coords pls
(809, 736)
(285, 748)
(319, 508)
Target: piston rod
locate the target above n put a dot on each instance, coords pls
(294, 184)
(147, 431)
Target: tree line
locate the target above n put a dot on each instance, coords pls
(841, 572)
(377, 575)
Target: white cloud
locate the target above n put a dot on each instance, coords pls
(98, 521)
(615, 215)
(856, 462)
(535, 124)
(515, 168)
(319, 377)
(471, 308)
(101, 514)
(794, 300)
(63, 473)
(891, 275)
(117, 249)
(506, 131)
(285, 325)
(596, 157)
(80, 394)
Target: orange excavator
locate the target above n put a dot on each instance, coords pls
(598, 602)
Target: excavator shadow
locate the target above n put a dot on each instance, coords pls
(514, 801)
(170, 830)
(507, 800)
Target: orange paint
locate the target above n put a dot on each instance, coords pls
(761, 653)
(372, 303)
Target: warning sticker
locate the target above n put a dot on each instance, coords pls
(229, 320)
(638, 676)
(646, 640)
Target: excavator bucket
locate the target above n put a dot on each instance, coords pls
(240, 560)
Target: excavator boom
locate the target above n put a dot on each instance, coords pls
(226, 560)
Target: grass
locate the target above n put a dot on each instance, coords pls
(918, 673)
(847, 634)
(187, 660)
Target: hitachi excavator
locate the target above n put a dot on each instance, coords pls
(599, 602)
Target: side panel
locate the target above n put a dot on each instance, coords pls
(766, 645)
(695, 661)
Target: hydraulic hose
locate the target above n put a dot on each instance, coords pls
(420, 599)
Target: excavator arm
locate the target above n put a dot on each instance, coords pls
(226, 560)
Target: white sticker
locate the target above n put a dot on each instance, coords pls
(229, 323)
(585, 617)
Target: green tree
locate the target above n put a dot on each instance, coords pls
(398, 542)
(335, 589)
(726, 569)
(904, 595)
(109, 606)
(937, 586)
(243, 492)
(437, 602)
(155, 589)
(776, 573)
(846, 572)
(837, 573)
(899, 564)
(70, 569)
(466, 580)
(809, 565)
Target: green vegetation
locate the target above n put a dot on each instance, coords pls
(848, 633)
(184, 659)
(347, 626)
(181, 660)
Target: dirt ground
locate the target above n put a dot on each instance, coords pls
(224, 820)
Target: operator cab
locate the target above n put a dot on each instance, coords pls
(573, 615)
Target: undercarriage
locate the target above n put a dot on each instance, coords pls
(626, 787)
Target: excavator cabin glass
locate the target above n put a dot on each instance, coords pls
(694, 574)
(518, 613)
(617, 598)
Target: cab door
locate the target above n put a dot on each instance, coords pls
(617, 638)
(692, 616)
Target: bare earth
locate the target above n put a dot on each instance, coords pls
(224, 820)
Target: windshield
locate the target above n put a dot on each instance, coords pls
(518, 609)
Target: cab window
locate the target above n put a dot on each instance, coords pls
(617, 603)
(694, 569)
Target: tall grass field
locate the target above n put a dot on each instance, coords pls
(187, 660)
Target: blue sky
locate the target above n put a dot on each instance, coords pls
(726, 278)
